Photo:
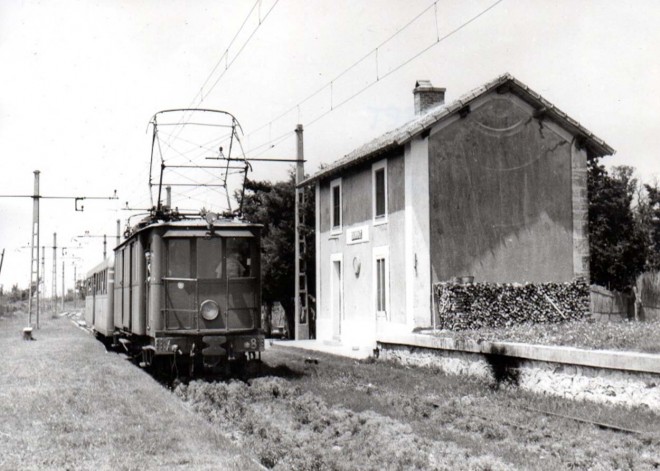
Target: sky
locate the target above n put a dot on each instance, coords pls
(81, 79)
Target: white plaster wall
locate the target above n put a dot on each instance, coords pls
(359, 323)
(417, 233)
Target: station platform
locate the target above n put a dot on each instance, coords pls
(361, 352)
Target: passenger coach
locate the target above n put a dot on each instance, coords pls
(99, 296)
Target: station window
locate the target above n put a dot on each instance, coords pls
(336, 206)
(381, 280)
(379, 195)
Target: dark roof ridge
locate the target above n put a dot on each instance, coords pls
(402, 134)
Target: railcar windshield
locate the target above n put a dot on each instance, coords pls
(239, 258)
(179, 258)
(209, 258)
(224, 270)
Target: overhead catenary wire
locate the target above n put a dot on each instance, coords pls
(200, 93)
(330, 85)
(240, 50)
(225, 56)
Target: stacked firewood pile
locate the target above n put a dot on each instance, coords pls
(472, 306)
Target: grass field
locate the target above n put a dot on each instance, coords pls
(65, 403)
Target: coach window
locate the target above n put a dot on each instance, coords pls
(239, 257)
(178, 258)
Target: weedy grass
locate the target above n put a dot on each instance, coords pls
(343, 415)
(65, 403)
(292, 429)
(598, 335)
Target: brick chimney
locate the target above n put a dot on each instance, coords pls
(427, 96)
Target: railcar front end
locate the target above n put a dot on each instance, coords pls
(191, 291)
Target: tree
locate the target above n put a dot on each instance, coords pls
(273, 205)
(652, 223)
(18, 294)
(617, 241)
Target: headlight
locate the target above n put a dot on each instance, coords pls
(209, 309)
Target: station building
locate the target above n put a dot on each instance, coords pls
(491, 186)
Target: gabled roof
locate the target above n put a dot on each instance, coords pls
(399, 136)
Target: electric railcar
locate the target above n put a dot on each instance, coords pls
(184, 290)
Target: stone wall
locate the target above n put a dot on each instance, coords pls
(581, 383)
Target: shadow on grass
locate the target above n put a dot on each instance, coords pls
(171, 375)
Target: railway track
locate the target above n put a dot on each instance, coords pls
(595, 423)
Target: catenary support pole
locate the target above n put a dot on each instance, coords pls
(63, 288)
(75, 286)
(54, 273)
(301, 301)
(42, 282)
(34, 249)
